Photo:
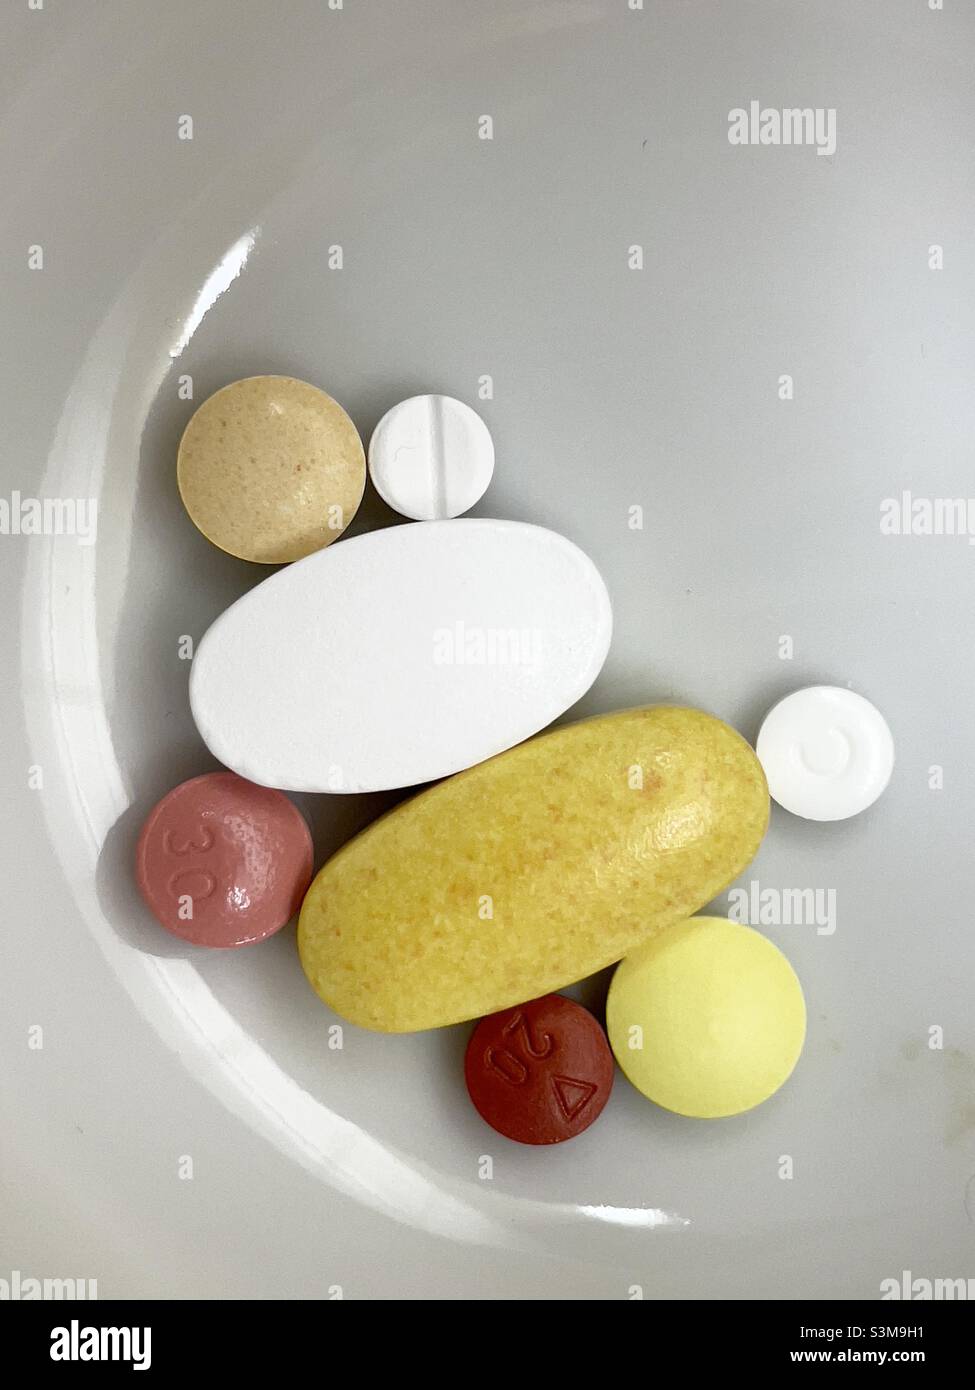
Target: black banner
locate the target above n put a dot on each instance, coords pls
(172, 1340)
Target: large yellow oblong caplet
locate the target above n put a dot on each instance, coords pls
(707, 1018)
(533, 869)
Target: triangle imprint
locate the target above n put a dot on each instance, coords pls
(572, 1095)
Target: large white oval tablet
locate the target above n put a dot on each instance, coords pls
(400, 656)
(431, 457)
(827, 752)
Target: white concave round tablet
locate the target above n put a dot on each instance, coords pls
(827, 752)
(431, 458)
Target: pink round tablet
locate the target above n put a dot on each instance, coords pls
(224, 862)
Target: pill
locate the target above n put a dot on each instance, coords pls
(707, 1018)
(541, 1072)
(431, 457)
(400, 656)
(827, 752)
(221, 862)
(533, 869)
(271, 469)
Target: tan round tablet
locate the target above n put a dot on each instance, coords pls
(271, 469)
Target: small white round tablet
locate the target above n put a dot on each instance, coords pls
(827, 752)
(431, 457)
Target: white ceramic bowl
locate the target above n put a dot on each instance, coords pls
(167, 259)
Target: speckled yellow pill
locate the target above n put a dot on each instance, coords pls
(533, 869)
(271, 469)
(707, 1018)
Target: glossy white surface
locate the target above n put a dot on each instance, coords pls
(614, 389)
(431, 457)
(827, 752)
(401, 656)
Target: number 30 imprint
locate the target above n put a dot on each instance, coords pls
(192, 883)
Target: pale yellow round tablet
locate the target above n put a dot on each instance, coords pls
(706, 1019)
(271, 469)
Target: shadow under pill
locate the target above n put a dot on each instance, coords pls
(333, 820)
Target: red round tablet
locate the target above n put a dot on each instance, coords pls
(541, 1072)
(223, 862)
